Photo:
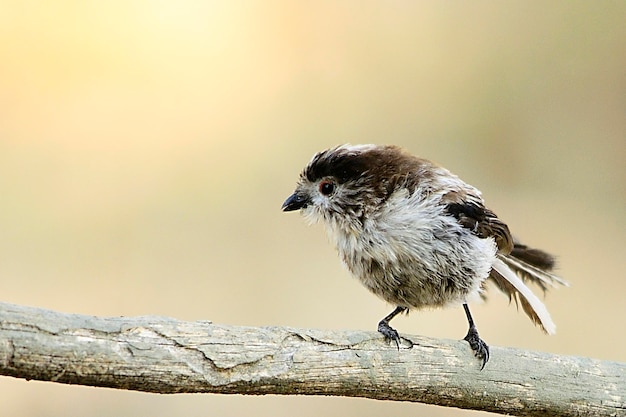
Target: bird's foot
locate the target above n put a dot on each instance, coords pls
(480, 348)
(389, 332)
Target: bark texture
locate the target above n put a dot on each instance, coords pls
(164, 355)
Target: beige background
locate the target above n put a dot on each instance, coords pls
(146, 148)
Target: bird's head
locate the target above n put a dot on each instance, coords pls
(345, 183)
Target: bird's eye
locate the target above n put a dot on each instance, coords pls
(327, 188)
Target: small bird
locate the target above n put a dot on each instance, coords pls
(417, 236)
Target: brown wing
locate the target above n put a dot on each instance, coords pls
(471, 213)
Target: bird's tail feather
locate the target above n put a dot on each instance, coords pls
(510, 272)
(534, 265)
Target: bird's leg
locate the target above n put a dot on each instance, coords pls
(480, 348)
(389, 332)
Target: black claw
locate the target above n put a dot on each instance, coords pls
(389, 332)
(480, 348)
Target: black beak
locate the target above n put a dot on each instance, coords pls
(296, 201)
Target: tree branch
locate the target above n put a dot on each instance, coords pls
(163, 355)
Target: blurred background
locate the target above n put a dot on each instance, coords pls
(146, 148)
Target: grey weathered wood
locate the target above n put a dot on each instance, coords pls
(163, 355)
